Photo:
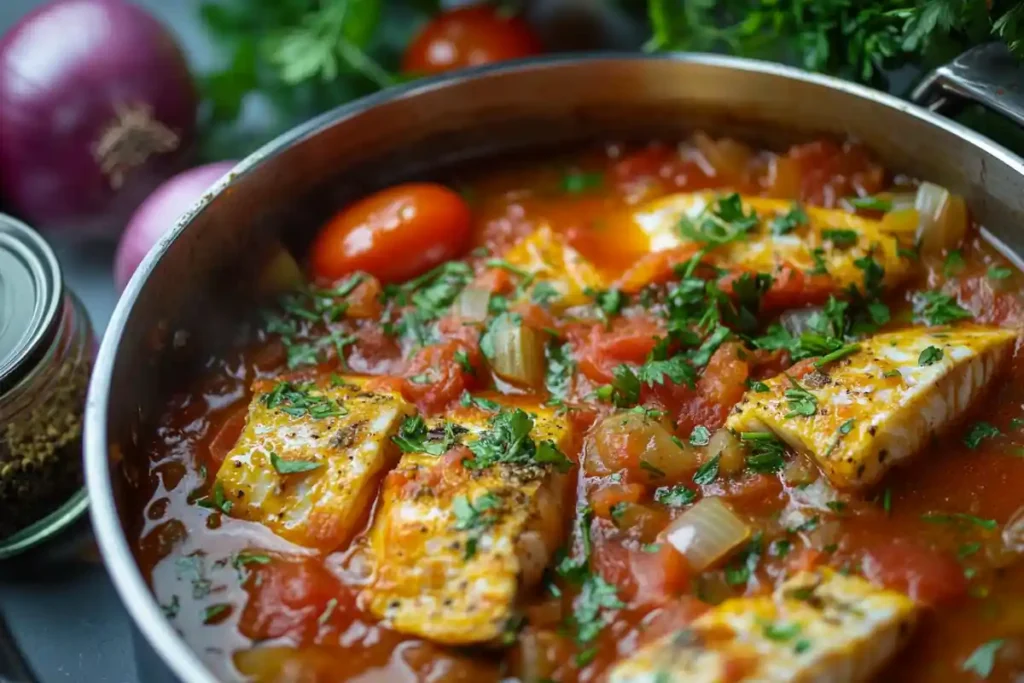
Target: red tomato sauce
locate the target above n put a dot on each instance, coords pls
(256, 607)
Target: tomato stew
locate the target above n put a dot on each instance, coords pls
(607, 396)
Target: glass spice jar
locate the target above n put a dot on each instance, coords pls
(47, 349)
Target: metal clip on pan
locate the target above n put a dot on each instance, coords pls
(987, 74)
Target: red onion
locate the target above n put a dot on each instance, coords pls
(97, 106)
(159, 213)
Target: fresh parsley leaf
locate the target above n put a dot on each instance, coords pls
(507, 440)
(820, 267)
(700, 436)
(214, 613)
(978, 432)
(674, 496)
(543, 293)
(475, 518)
(560, 367)
(722, 221)
(300, 400)
(954, 263)
(935, 308)
(462, 358)
(767, 453)
(676, 369)
(959, 518)
(708, 472)
(467, 400)
(998, 273)
(840, 239)
(282, 466)
(930, 355)
(414, 437)
(800, 401)
(624, 391)
(982, 661)
(870, 203)
(579, 182)
(789, 221)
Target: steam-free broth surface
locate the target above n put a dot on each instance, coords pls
(559, 420)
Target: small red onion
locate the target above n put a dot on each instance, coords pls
(97, 107)
(159, 213)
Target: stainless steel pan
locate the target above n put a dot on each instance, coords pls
(181, 302)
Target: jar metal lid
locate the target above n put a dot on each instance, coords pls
(31, 291)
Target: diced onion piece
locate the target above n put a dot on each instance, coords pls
(727, 157)
(943, 219)
(799, 472)
(518, 354)
(637, 442)
(729, 450)
(1013, 532)
(901, 222)
(472, 304)
(798, 321)
(280, 274)
(707, 533)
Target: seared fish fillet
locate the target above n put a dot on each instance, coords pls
(819, 626)
(309, 460)
(883, 403)
(548, 256)
(763, 251)
(453, 546)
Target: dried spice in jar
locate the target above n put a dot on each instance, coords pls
(46, 353)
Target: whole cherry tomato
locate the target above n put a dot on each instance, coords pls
(394, 235)
(468, 36)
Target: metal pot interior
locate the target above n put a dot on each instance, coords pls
(184, 302)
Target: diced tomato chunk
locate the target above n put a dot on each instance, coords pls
(642, 577)
(927, 575)
(830, 172)
(289, 597)
(603, 499)
(655, 267)
(628, 340)
(227, 434)
(436, 377)
(718, 390)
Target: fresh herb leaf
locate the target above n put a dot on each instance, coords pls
(722, 221)
(579, 182)
(300, 400)
(935, 308)
(414, 437)
(978, 432)
(674, 496)
(982, 661)
(998, 273)
(700, 436)
(507, 440)
(954, 263)
(767, 453)
(870, 203)
(214, 613)
(840, 239)
(467, 400)
(789, 221)
(800, 401)
(930, 355)
(282, 466)
(959, 518)
(707, 472)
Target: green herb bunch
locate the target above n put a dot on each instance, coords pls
(856, 39)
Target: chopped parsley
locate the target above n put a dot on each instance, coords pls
(707, 472)
(841, 431)
(579, 182)
(820, 267)
(298, 400)
(870, 203)
(468, 400)
(507, 440)
(624, 391)
(840, 239)
(329, 608)
(701, 436)
(789, 221)
(982, 661)
(214, 613)
(978, 432)
(800, 401)
(954, 263)
(930, 356)
(998, 273)
(430, 296)
(560, 366)
(462, 358)
(282, 466)
(766, 452)
(595, 596)
(674, 496)
(414, 437)
(172, 608)
(654, 471)
(609, 302)
(959, 519)
(722, 221)
(936, 308)
(838, 354)
(543, 293)
(738, 572)
(475, 518)
(219, 501)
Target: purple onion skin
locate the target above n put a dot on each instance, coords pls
(74, 76)
(159, 213)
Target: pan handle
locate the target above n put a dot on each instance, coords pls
(13, 668)
(987, 74)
